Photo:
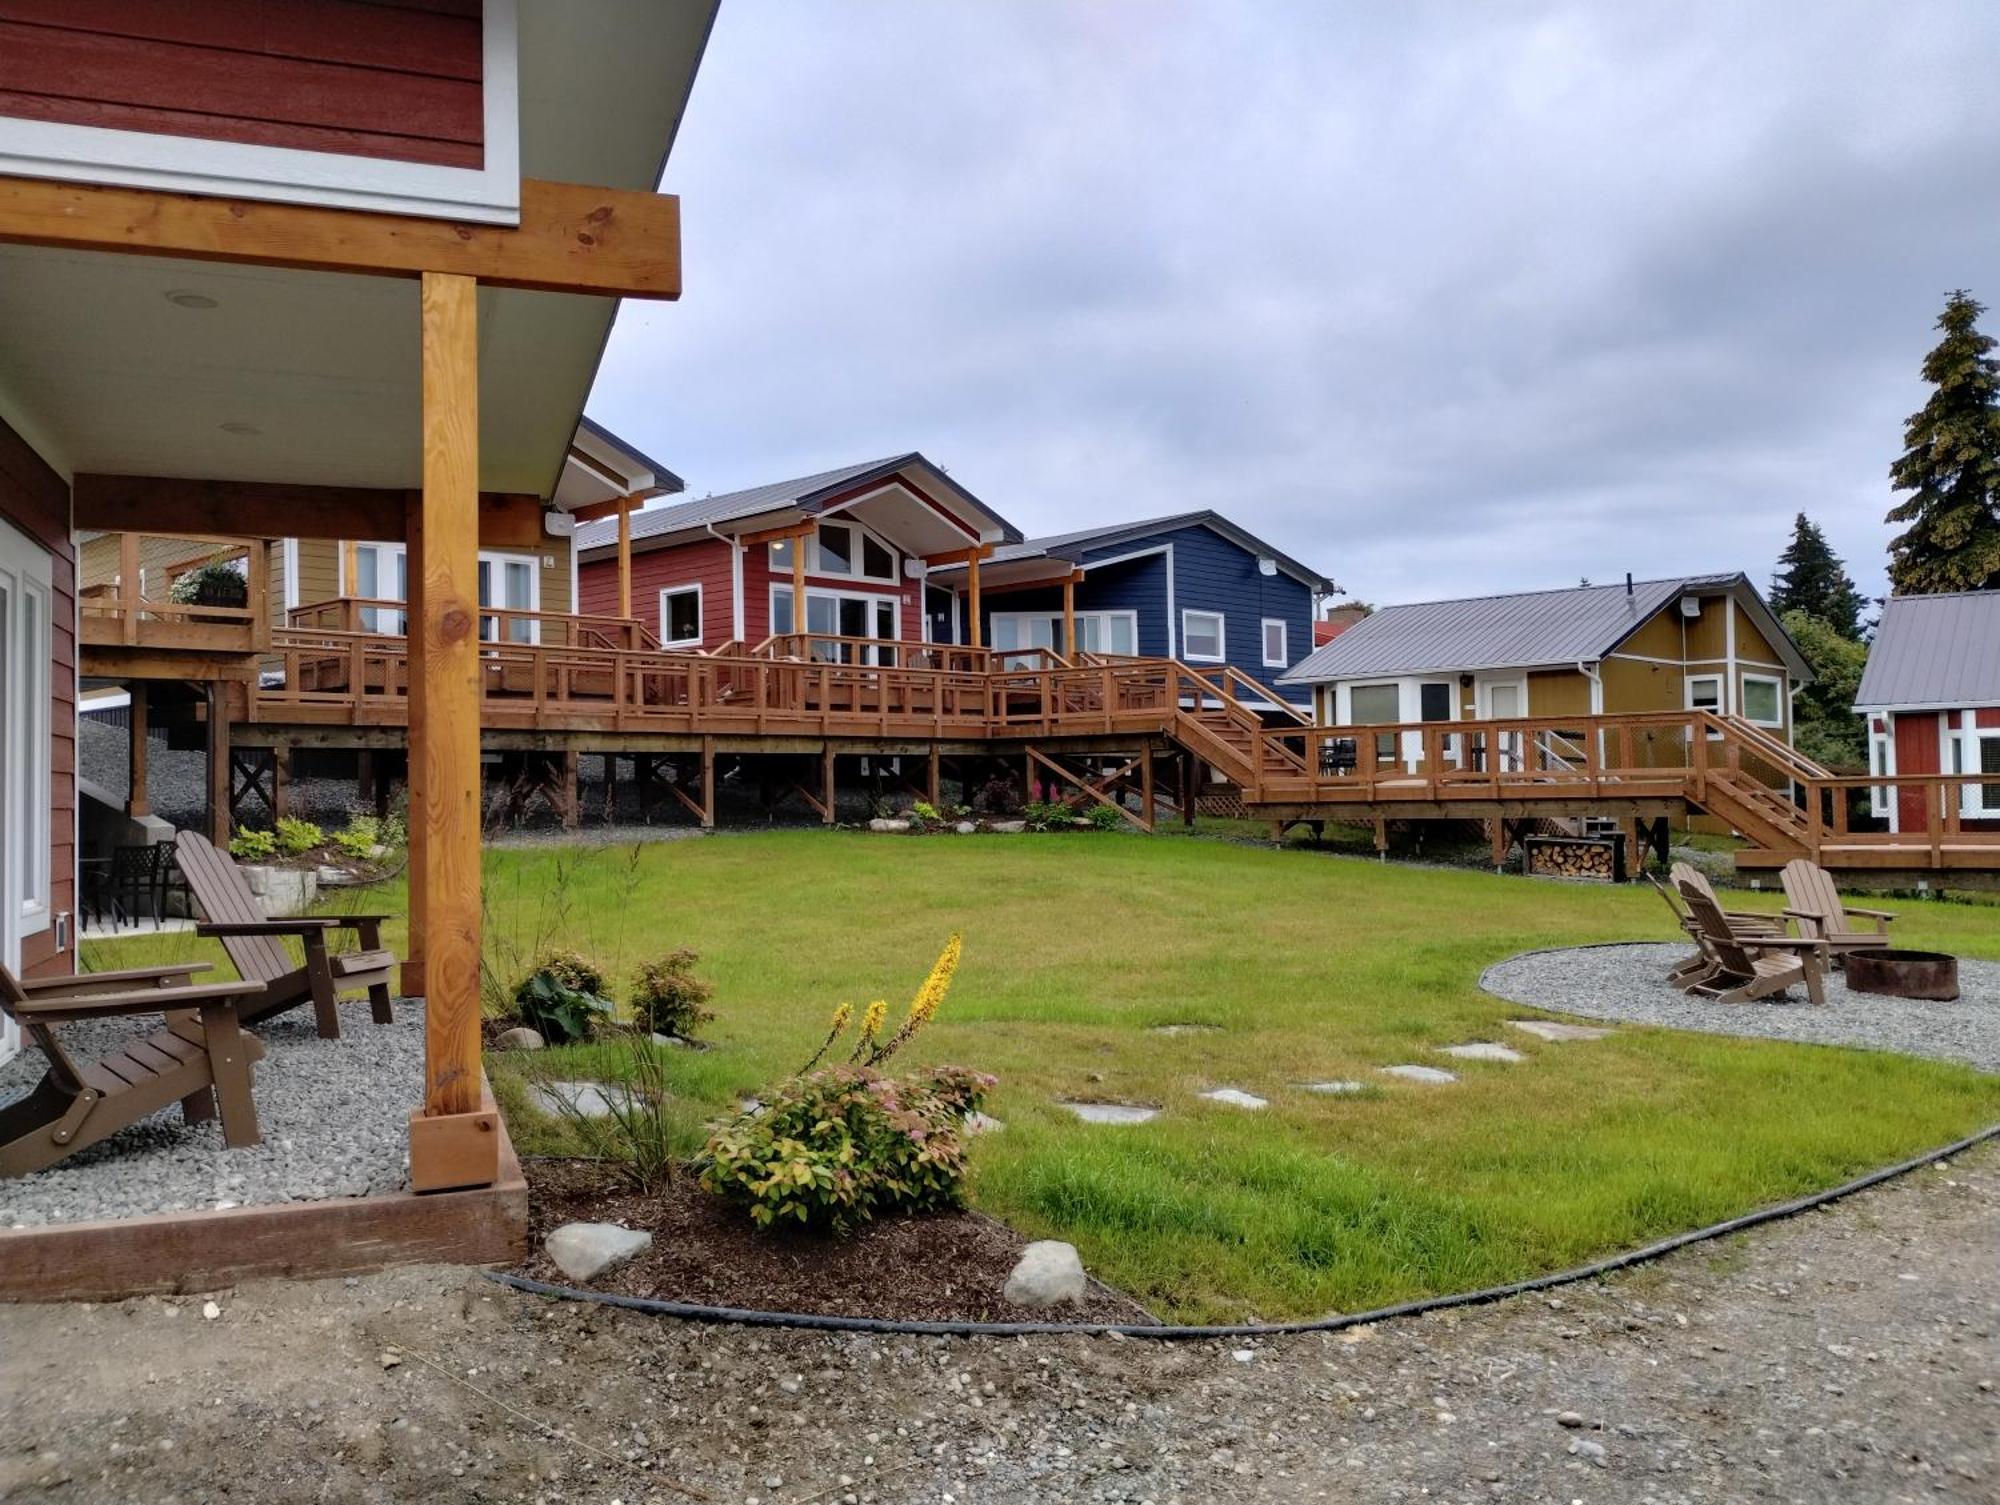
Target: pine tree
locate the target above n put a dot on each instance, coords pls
(1951, 465)
(1811, 578)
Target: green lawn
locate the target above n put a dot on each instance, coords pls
(1310, 966)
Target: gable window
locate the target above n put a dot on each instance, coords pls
(841, 549)
(680, 616)
(878, 560)
(1763, 700)
(1275, 656)
(836, 549)
(1201, 636)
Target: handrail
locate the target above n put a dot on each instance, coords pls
(131, 609)
(350, 614)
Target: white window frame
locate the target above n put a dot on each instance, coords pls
(487, 194)
(1964, 754)
(1284, 659)
(494, 559)
(779, 588)
(700, 619)
(1777, 684)
(816, 558)
(1882, 764)
(1102, 619)
(1221, 654)
(26, 740)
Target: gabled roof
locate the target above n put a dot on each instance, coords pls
(664, 478)
(1074, 546)
(1934, 652)
(1529, 630)
(806, 495)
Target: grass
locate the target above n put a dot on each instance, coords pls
(1308, 966)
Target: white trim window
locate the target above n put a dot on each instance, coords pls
(1203, 636)
(845, 549)
(842, 614)
(1763, 698)
(680, 616)
(26, 624)
(1704, 693)
(1275, 634)
(1881, 763)
(1114, 632)
(1976, 750)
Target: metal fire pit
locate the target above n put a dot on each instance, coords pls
(1904, 974)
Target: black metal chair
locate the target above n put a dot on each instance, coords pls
(1337, 755)
(139, 879)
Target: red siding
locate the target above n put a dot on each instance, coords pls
(395, 80)
(34, 499)
(705, 563)
(1989, 717)
(758, 577)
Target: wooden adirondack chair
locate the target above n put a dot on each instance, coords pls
(256, 947)
(1744, 969)
(1813, 901)
(1690, 968)
(1745, 922)
(201, 1058)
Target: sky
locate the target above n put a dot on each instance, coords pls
(1442, 299)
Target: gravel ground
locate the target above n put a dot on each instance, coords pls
(331, 1128)
(1627, 982)
(1848, 1355)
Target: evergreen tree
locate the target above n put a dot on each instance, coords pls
(1824, 726)
(1951, 465)
(1812, 579)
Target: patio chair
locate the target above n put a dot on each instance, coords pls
(1813, 901)
(1744, 969)
(1745, 922)
(256, 947)
(202, 1058)
(1690, 968)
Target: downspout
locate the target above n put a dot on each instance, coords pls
(1591, 672)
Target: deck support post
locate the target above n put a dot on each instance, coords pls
(624, 558)
(218, 762)
(455, 1136)
(364, 776)
(1503, 839)
(572, 802)
(933, 782)
(1381, 839)
(1147, 808)
(412, 979)
(1069, 616)
(708, 783)
(281, 782)
(972, 597)
(1187, 790)
(826, 784)
(136, 803)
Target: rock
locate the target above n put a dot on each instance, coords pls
(210, 1310)
(982, 1123)
(673, 1041)
(965, 828)
(1335, 1089)
(1583, 1447)
(589, 1099)
(1112, 1113)
(1049, 1273)
(1553, 1031)
(1007, 827)
(1430, 1074)
(520, 1037)
(584, 1251)
(1236, 1097)
(391, 1359)
(1571, 1419)
(1483, 1050)
(880, 824)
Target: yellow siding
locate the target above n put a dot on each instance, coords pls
(1631, 685)
(1708, 634)
(1659, 637)
(1752, 647)
(1558, 692)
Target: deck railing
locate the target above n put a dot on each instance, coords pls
(135, 608)
(389, 617)
(956, 658)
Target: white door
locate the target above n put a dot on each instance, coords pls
(1503, 703)
(25, 623)
(514, 585)
(382, 573)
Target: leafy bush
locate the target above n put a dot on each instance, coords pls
(999, 795)
(253, 846)
(924, 813)
(667, 997)
(298, 836)
(217, 583)
(635, 1135)
(364, 833)
(1105, 818)
(1045, 815)
(562, 999)
(832, 1150)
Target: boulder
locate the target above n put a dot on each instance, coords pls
(1008, 827)
(520, 1037)
(965, 828)
(1049, 1274)
(584, 1251)
(879, 824)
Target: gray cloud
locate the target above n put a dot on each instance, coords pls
(1442, 298)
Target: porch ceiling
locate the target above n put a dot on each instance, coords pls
(907, 521)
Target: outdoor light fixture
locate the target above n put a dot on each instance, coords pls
(182, 298)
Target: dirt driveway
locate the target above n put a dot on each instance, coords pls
(1851, 1355)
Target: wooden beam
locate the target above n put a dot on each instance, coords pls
(959, 556)
(264, 509)
(218, 763)
(136, 803)
(707, 811)
(1069, 620)
(447, 736)
(413, 774)
(972, 597)
(826, 812)
(778, 535)
(350, 568)
(624, 563)
(613, 242)
(799, 600)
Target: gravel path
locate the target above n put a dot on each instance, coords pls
(1848, 1355)
(1626, 982)
(335, 1116)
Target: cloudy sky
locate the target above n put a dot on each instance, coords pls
(1442, 298)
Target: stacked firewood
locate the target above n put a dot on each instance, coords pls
(1572, 857)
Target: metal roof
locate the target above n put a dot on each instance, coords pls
(1939, 652)
(1530, 630)
(666, 479)
(1074, 546)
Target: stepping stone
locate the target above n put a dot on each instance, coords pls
(591, 1099)
(1431, 1074)
(1185, 1029)
(982, 1123)
(1552, 1031)
(1336, 1089)
(1112, 1113)
(1483, 1050)
(1235, 1097)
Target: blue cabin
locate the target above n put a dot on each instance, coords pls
(1193, 587)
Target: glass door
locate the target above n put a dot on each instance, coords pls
(1503, 703)
(382, 573)
(511, 585)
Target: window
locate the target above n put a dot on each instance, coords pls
(1096, 631)
(781, 611)
(1275, 656)
(381, 573)
(878, 561)
(841, 549)
(1987, 797)
(781, 557)
(680, 616)
(511, 584)
(1434, 702)
(25, 743)
(1372, 705)
(1882, 764)
(1976, 751)
(1705, 693)
(836, 549)
(832, 614)
(1764, 699)
(1201, 636)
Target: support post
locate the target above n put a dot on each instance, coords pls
(218, 762)
(826, 784)
(624, 558)
(350, 567)
(281, 782)
(412, 980)
(136, 803)
(1069, 616)
(799, 590)
(1146, 806)
(1502, 840)
(972, 597)
(708, 783)
(572, 804)
(933, 784)
(454, 1138)
(1187, 791)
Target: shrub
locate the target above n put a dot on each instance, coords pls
(364, 833)
(217, 583)
(1105, 818)
(298, 836)
(832, 1150)
(667, 997)
(562, 999)
(635, 1135)
(924, 813)
(999, 795)
(1045, 815)
(253, 846)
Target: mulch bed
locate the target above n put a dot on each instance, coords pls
(945, 1267)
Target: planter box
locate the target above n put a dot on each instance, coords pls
(282, 891)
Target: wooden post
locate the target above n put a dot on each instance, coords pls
(1069, 616)
(933, 784)
(972, 593)
(1146, 806)
(572, 806)
(624, 559)
(350, 568)
(218, 762)
(1501, 842)
(1187, 791)
(281, 781)
(452, 1141)
(136, 803)
(826, 784)
(708, 783)
(799, 591)
(412, 980)
(129, 584)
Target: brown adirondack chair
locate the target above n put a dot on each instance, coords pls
(1813, 901)
(202, 1058)
(1745, 922)
(1744, 969)
(1690, 968)
(256, 947)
